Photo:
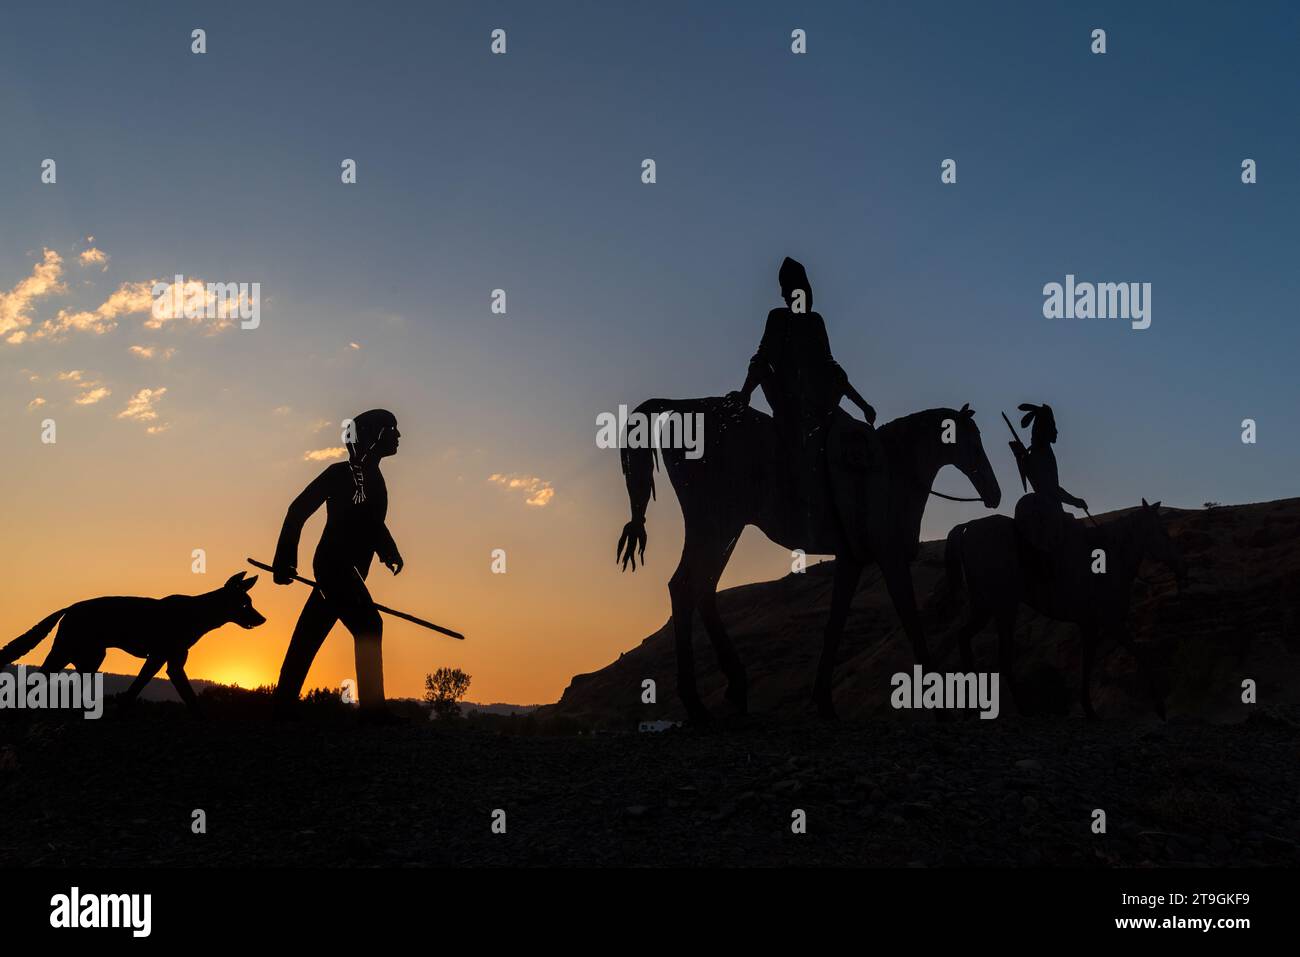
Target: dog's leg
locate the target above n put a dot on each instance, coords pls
(151, 666)
(176, 672)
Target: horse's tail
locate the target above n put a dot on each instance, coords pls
(639, 466)
(953, 559)
(29, 640)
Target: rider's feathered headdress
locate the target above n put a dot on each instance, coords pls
(1040, 416)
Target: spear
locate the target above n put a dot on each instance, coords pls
(1024, 487)
(384, 608)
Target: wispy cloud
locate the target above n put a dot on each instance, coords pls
(16, 304)
(36, 403)
(537, 492)
(91, 396)
(152, 352)
(142, 405)
(94, 257)
(130, 298)
(324, 455)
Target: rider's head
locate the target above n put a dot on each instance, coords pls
(1043, 420)
(793, 279)
(376, 436)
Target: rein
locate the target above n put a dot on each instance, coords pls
(954, 498)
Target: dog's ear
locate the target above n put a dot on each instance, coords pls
(234, 580)
(248, 583)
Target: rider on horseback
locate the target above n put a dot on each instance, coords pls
(803, 384)
(1040, 517)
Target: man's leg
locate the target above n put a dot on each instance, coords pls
(356, 609)
(314, 624)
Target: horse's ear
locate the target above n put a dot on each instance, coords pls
(966, 410)
(1144, 504)
(1156, 507)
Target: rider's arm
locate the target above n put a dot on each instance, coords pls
(760, 366)
(841, 386)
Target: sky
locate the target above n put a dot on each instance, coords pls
(522, 172)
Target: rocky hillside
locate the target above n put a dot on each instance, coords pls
(1236, 619)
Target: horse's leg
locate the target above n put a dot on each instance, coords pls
(1007, 651)
(1089, 630)
(978, 619)
(847, 573)
(1126, 640)
(683, 589)
(728, 660)
(898, 579)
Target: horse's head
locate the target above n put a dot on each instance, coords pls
(1157, 544)
(963, 448)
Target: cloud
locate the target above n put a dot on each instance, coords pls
(141, 406)
(16, 304)
(130, 298)
(72, 375)
(354, 345)
(92, 396)
(198, 301)
(538, 492)
(282, 410)
(155, 429)
(149, 352)
(94, 257)
(324, 455)
(36, 403)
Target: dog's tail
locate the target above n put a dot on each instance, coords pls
(26, 642)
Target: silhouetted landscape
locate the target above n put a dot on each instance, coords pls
(1214, 785)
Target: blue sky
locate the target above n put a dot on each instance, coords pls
(522, 172)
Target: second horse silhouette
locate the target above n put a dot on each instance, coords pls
(741, 481)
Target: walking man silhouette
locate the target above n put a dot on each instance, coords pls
(356, 503)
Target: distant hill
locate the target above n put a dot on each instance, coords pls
(1239, 617)
(158, 689)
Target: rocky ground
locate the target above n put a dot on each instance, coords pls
(912, 791)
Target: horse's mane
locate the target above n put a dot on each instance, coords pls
(899, 433)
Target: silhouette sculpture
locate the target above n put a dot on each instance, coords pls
(159, 630)
(1040, 517)
(803, 384)
(1001, 573)
(738, 482)
(356, 503)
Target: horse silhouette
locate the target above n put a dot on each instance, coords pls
(1001, 573)
(739, 481)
